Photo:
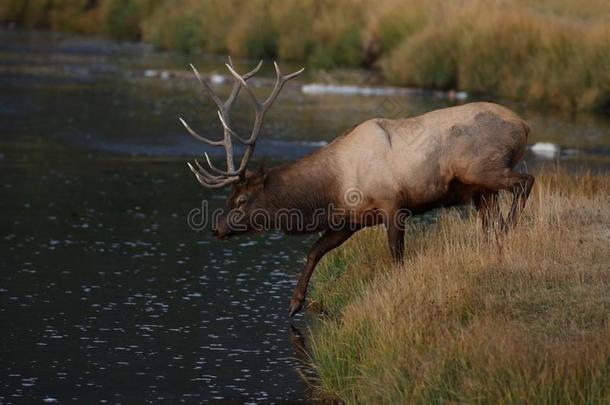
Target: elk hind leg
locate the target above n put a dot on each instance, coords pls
(519, 184)
(488, 207)
(521, 190)
(395, 224)
(396, 241)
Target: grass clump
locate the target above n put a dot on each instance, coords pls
(524, 319)
(174, 26)
(122, 17)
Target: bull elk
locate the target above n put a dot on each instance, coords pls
(381, 167)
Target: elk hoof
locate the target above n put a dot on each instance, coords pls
(295, 307)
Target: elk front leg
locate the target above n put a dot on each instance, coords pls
(395, 226)
(327, 242)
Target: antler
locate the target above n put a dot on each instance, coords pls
(222, 178)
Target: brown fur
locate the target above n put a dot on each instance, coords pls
(444, 158)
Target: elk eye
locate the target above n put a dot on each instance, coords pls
(241, 200)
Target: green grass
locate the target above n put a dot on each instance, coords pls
(521, 319)
(548, 52)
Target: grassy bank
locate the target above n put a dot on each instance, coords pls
(550, 52)
(525, 320)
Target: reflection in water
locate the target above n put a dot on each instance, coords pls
(301, 354)
(105, 293)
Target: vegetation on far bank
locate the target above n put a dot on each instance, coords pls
(552, 52)
(521, 319)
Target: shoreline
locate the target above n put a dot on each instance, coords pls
(552, 55)
(341, 81)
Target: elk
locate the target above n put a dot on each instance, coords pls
(367, 175)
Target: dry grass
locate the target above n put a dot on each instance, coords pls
(468, 320)
(553, 52)
(519, 50)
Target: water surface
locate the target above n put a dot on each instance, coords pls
(106, 294)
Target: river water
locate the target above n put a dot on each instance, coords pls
(106, 293)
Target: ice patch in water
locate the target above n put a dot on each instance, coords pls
(217, 79)
(546, 149)
(317, 88)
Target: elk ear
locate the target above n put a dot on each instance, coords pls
(261, 170)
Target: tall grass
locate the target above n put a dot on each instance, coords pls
(552, 52)
(515, 52)
(521, 319)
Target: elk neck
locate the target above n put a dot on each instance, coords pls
(307, 184)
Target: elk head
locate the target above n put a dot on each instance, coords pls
(248, 187)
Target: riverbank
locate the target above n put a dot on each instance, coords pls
(554, 52)
(525, 319)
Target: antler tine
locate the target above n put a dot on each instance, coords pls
(228, 129)
(237, 76)
(208, 182)
(221, 184)
(236, 86)
(225, 114)
(207, 88)
(206, 173)
(203, 176)
(279, 83)
(217, 170)
(287, 77)
(254, 71)
(201, 138)
(208, 177)
(260, 108)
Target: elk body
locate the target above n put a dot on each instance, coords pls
(371, 174)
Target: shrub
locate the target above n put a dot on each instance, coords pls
(123, 19)
(252, 33)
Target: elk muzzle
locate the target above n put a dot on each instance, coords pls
(221, 229)
(229, 223)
